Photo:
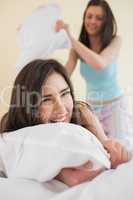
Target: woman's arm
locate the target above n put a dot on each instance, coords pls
(72, 61)
(89, 120)
(98, 61)
(118, 153)
(73, 56)
(75, 176)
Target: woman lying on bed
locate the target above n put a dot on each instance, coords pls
(43, 93)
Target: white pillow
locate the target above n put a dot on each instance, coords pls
(37, 36)
(40, 152)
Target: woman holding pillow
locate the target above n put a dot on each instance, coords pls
(49, 98)
(98, 50)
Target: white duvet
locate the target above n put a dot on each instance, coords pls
(31, 173)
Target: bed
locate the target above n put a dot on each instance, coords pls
(32, 177)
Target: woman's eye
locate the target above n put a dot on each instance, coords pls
(65, 93)
(100, 18)
(47, 100)
(44, 100)
(89, 17)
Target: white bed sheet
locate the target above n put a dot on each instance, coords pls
(111, 185)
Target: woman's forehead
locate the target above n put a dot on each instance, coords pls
(98, 10)
(54, 83)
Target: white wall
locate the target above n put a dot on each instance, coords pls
(14, 12)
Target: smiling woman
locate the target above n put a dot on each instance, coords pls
(14, 13)
(98, 50)
(94, 20)
(49, 98)
(57, 102)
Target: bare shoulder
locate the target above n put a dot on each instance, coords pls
(112, 50)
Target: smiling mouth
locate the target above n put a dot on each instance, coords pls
(62, 119)
(92, 28)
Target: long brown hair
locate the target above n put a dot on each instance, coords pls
(109, 29)
(26, 93)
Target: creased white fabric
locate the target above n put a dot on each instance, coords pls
(111, 184)
(40, 152)
(37, 36)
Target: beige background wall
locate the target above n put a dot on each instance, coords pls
(14, 12)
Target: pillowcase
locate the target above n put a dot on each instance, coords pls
(40, 152)
(37, 37)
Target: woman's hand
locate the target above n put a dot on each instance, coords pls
(86, 118)
(61, 25)
(118, 153)
(77, 175)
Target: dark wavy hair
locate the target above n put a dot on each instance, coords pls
(30, 81)
(109, 29)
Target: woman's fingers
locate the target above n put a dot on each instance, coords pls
(67, 177)
(72, 177)
(126, 155)
(87, 166)
(80, 176)
(94, 173)
(118, 153)
(60, 25)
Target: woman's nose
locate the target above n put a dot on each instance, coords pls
(93, 20)
(59, 107)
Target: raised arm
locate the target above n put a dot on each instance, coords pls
(73, 56)
(97, 60)
(72, 61)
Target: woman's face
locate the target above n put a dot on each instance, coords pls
(94, 20)
(57, 102)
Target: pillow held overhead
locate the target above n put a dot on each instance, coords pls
(37, 37)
